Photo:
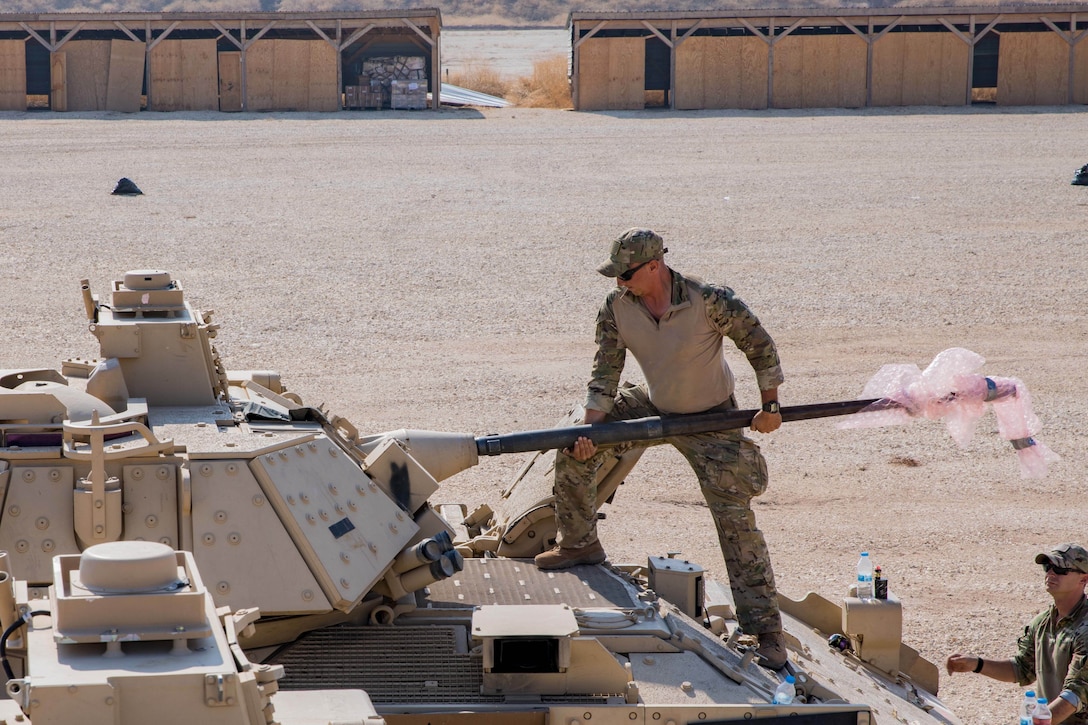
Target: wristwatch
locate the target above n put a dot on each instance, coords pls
(771, 406)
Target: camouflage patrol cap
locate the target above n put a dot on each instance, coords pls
(631, 249)
(1067, 556)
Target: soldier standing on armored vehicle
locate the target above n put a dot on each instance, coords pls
(674, 325)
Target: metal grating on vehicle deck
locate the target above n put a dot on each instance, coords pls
(517, 581)
(394, 664)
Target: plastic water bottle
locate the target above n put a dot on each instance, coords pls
(783, 694)
(1041, 716)
(1027, 707)
(865, 576)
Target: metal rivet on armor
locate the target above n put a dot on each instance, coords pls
(300, 450)
(400, 516)
(351, 505)
(220, 516)
(100, 529)
(109, 701)
(137, 474)
(42, 523)
(208, 539)
(283, 455)
(22, 545)
(151, 521)
(166, 540)
(48, 546)
(99, 503)
(310, 519)
(339, 509)
(344, 584)
(15, 510)
(373, 486)
(307, 595)
(258, 500)
(54, 474)
(344, 557)
(360, 490)
(332, 451)
(632, 716)
(126, 508)
(373, 547)
(232, 468)
(312, 446)
(162, 472)
(332, 489)
(28, 475)
(206, 470)
(686, 686)
(270, 459)
(222, 587)
(291, 500)
(234, 537)
(324, 516)
(393, 528)
(303, 498)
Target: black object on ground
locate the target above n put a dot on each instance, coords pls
(1081, 177)
(125, 187)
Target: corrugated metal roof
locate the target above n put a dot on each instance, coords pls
(457, 96)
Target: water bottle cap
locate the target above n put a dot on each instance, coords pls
(1029, 693)
(790, 679)
(865, 553)
(1041, 701)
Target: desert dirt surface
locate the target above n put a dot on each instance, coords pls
(436, 270)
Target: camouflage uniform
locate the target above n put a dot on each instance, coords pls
(730, 468)
(1053, 649)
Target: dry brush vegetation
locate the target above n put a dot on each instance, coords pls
(547, 86)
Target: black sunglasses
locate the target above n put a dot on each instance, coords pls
(626, 276)
(1059, 570)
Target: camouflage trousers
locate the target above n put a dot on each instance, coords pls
(731, 471)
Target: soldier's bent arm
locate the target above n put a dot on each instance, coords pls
(732, 318)
(608, 362)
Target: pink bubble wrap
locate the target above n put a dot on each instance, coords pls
(951, 388)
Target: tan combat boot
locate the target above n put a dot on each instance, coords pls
(562, 558)
(772, 650)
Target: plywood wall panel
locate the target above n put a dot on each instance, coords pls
(721, 72)
(291, 75)
(920, 69)
(324, 93)
(955, 71)
(126, 76)
(58, 83)
(612, 74)
(12, 75)
(87, 67)
(230, 81)
(1080, 72)
(888, 53)
(259, 79)
(185, 75)
(788, 72)
(819, 71)
(1033, 69)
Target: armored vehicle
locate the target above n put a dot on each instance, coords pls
(365, 579)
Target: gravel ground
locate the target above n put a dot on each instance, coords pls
(435, 270)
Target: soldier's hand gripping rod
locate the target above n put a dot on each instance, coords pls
(654, 428)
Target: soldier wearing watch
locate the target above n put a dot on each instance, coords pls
(771, 406)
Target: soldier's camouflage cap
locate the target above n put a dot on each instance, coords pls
(631, 249)
(1067, 556)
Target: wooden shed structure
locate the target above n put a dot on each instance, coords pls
(245, 61)
(848, 57)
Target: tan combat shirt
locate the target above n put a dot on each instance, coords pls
(680, 354)
(1054, 651)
